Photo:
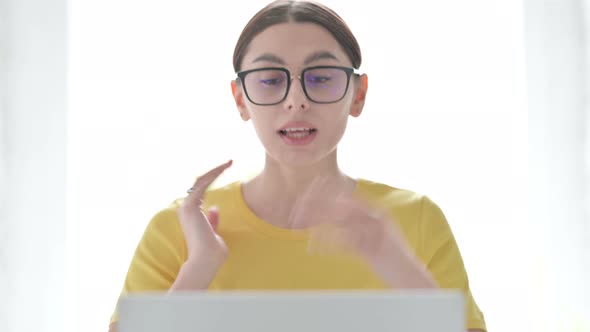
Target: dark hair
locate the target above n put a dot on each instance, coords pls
(282, 11)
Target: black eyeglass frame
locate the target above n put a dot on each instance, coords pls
(348, 70)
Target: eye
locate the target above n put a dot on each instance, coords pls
(270, 81)
(317, 79)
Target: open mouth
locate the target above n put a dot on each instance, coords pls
(297, 133)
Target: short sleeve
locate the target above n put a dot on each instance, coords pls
(157, 258)
(441, 255)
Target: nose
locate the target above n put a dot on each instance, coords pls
(296, 98)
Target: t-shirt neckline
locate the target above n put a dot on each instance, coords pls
(267, 228)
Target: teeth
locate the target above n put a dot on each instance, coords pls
(298, 135)
(297, 132)
(290, 130)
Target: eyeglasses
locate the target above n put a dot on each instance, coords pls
(321, 84)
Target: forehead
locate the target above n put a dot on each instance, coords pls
(293, 42)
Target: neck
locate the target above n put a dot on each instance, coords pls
(273, 192)
(292, 181)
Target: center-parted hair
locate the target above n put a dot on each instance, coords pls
(282, 11)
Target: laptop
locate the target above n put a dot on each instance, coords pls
(290, 311)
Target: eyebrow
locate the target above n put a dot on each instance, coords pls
(321, 55)
(270, 58)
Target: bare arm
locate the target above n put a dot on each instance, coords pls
(197, 272)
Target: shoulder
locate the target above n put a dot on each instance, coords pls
(418, 205)
(164, 225)
(390, 197)
(164, 228)
(418, 215)
(215, 195)
(223, 192)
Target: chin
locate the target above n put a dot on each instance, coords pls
(303, 156)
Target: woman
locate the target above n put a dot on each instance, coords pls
(301, 223)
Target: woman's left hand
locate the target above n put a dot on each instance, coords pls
(340, 222)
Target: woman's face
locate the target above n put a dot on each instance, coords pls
(298, 131)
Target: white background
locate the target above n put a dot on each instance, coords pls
(147, 107)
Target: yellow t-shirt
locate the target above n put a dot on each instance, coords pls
(265, 257)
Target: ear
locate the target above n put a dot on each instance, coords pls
(360, 94)
(238, 94)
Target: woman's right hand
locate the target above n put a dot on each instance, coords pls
(206, 249)
(198, 226)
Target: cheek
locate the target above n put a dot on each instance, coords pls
(339, 127)
(263, 122)
(337, 121)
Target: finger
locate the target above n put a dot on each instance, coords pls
(295, 219)
(324, 196)
(213, 216)
(305, 213)
(356, 210)
(204, 181)
(308, 208)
